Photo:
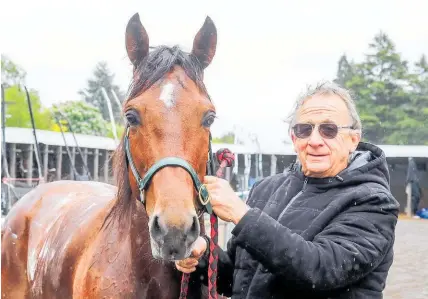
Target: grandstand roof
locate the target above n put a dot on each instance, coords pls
(25, 136)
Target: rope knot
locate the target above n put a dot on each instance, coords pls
(225, 157)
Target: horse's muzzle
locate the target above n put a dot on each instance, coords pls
(171, 242)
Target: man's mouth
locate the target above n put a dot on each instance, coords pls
(317, 155)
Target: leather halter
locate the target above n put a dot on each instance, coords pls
(143, 183)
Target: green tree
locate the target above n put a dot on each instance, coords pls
(226, 138)
(84, 118)
(390, 98)
(417, 109)
(11, 73)
(102, 77)
(17, 111)
(120, 129)
(419, 79)
(345, 71)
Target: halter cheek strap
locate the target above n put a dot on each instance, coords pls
(144, 182)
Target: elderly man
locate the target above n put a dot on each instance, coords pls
(322, 229)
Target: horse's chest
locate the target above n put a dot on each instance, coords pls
(109, 275)
(115, 273)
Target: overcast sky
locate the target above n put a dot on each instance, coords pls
(267, 51)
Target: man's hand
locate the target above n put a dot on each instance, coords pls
(189, 264)
(226, 204)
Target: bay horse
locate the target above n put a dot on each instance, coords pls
(75, 239)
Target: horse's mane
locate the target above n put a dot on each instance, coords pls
(160, 61)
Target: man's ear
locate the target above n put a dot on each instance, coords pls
(294, 139)
(355, 139)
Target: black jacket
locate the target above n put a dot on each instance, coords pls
(314, 238)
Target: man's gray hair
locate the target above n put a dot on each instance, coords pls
(327, 88)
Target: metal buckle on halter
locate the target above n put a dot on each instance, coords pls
(205, 198)
(141, 188)
(201, 199)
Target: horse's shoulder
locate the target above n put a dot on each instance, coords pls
(51, 204)
(58, 221)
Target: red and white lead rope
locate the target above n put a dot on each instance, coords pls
(226, 159)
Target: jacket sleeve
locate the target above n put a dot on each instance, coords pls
(226, 263)
(351, 246)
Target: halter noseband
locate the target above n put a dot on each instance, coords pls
(143, 183)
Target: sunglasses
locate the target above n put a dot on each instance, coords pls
(326, 130)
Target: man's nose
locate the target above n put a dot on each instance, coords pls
(315, 139)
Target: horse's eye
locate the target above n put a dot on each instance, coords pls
(208, 119)
(132, 117)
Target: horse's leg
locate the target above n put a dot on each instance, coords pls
(14, 281)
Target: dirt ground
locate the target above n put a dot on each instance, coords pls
(408, 277)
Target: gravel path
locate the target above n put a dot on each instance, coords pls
(408, 277)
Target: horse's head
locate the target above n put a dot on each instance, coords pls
(169, 114)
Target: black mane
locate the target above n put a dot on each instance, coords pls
(159, 62)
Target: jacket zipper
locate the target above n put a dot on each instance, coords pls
(295, 197)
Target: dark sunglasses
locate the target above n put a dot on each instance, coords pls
(326, 130)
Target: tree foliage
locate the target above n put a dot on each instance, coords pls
(84, 118)
(17, 111)
(120, 129)
(103, 78)
(11, 73)
(226, 138)
(391, 96)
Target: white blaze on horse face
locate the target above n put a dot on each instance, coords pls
(167, 94)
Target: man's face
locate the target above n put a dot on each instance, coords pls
(320, 156)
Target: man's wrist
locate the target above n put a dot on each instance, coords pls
(240, 213)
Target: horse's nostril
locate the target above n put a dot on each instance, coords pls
(156, 225)
(193, 232)
(173, 251)
(156, 230)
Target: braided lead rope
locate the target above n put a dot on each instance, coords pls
(226, 158)
(212, 267)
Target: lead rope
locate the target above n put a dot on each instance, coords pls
(226, 159)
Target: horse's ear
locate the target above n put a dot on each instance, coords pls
(205, 43)
(137, 40)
